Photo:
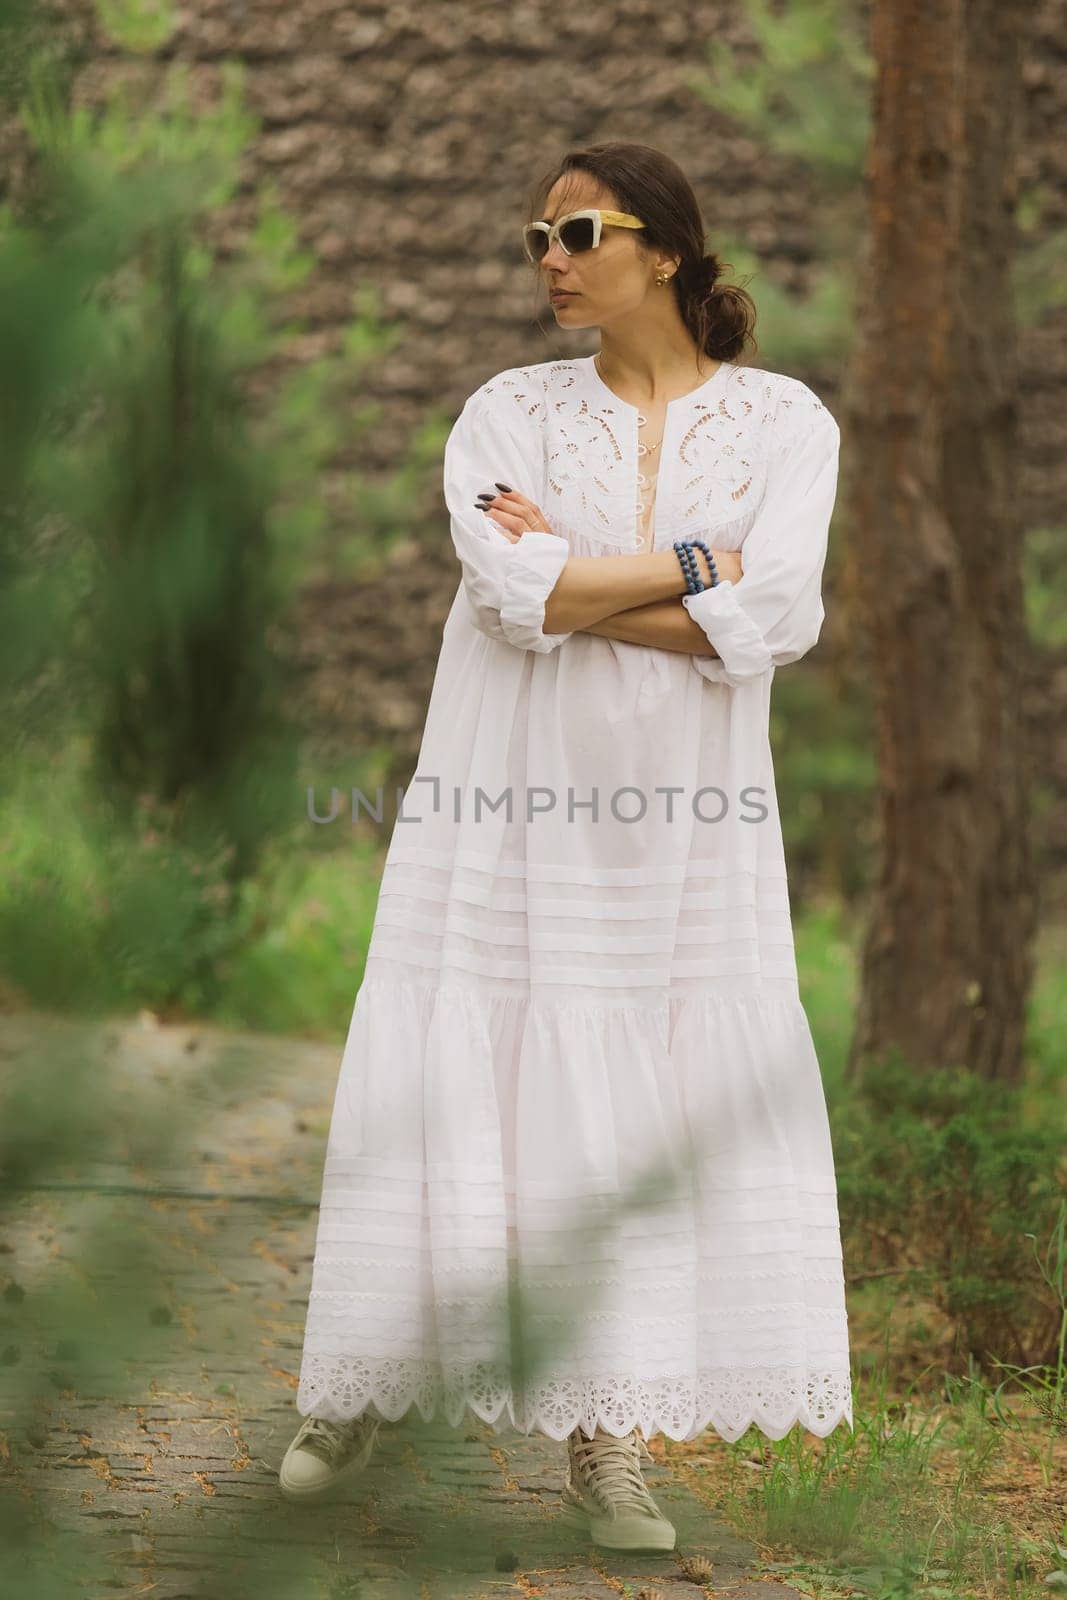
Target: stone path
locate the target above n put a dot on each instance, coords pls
(154, 1286)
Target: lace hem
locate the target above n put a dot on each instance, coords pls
(773, 1399)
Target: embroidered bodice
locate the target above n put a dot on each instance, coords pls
(604, 494)
(746, 461)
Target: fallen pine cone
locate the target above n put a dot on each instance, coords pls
(698, 1569)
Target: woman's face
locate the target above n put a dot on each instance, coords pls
(605, 284)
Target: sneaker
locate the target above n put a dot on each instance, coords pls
(325, 1454)
(606, 1495)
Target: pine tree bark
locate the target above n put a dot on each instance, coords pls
(931, 414)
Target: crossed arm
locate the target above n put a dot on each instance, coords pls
(665, 624)
(635, 598)
(762, 617)
(611, 598)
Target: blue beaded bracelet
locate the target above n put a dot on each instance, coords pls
(685, 560)
(683, 549)
(688, 564)
(710, 560)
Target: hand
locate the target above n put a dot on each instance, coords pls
(512, 514)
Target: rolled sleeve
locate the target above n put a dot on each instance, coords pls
(506, 584)
(774, 613)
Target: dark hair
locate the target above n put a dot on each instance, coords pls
(720, 316)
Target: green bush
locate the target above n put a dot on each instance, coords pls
(939, 1175)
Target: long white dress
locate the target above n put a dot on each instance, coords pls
(579, 1167)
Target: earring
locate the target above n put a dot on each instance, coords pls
(663, 277)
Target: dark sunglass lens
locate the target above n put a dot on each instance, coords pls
(577, 234)
(537, 243)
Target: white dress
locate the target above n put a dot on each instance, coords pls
(579, 1166)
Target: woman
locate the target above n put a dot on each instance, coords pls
(579, 1176)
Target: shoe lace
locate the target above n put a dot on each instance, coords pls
(330, 1440)
(612, 1469)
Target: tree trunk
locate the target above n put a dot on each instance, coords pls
(931, 418)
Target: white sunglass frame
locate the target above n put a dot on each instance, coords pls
(614, 219)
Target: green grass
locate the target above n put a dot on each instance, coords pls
(96, 922)
(311, 915)
(929, 1495)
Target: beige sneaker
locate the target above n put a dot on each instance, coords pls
(606, 1495)
(325, 1454)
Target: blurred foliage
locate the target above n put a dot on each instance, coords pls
(146, 507)
(1044, 585)
(157, 523)
(826, 783)
(98, 920)
(1040, 265)
(803, 93)
(805, 90)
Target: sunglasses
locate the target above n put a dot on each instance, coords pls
(577, 231)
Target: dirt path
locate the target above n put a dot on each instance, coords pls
(155, 1281)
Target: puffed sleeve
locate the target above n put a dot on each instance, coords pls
(506, 584)
(774, 613)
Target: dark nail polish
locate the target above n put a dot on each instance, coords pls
(486, 496)
(505, 486)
